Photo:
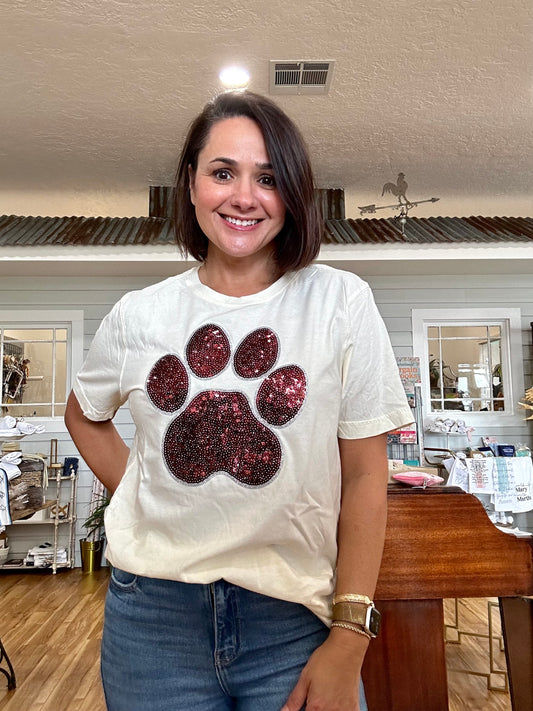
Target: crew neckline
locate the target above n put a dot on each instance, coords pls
(209, 294)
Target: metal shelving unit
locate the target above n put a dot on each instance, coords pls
(64, 485)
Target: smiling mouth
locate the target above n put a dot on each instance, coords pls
(240, 223)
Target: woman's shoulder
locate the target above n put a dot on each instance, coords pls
(328, 277)
(150, 295)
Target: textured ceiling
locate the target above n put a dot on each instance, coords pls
(97, 94)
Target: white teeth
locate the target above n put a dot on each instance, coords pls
(241, 223)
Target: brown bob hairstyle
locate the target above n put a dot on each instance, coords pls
(298, 242)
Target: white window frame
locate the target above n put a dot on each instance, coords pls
(512, 360)
(70, 319)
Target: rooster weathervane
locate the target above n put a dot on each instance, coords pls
(399, 190)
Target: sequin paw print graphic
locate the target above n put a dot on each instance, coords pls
(218, 431)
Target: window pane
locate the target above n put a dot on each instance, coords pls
(433, 332)
(26, 410)
(496, 353)
(434, 363)
(469, 376)
(34, 368)
(60, 394)
(436, 406)
(40, 366)
(12, 380)
(464, 332)
(59, 410)
(30, 334)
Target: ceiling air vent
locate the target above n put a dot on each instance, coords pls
(300, 77)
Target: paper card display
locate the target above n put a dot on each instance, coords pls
(458, 473)
(480, 475)
(509, 480)
(513, 484)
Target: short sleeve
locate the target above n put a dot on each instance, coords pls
(98, 384)
(373, 398)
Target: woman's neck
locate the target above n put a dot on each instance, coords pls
(238, 279)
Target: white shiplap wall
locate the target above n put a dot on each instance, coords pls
(395, 297)
(95, 296)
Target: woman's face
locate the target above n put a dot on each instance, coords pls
(233, 189)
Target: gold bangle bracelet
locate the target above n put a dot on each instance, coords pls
(352, 628)
(352, 597)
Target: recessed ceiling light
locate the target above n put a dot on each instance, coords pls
(234, 77)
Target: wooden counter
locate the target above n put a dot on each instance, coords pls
(439, 544)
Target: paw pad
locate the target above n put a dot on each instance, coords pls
(218, 430)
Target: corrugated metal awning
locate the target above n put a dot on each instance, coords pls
(88, 231)
(429, 230)
(17, 231)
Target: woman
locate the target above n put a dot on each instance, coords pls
(261, 387)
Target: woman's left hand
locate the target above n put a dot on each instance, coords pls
(330, 680)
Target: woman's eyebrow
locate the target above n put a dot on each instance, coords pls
(231, 161)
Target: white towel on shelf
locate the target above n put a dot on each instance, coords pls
(43, 556)
(7, 422)
(27, 428)
(9, 464)
(10, 427)
(12, 457)
(11, 470)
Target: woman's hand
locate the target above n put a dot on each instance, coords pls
(330, 680)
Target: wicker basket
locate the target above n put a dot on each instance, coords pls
(26, 492)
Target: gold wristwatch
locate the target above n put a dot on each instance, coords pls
(362, 614)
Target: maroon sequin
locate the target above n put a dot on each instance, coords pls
(219, 433)
(208, 351)
(167, 384)
(256, 354)
(281, 395)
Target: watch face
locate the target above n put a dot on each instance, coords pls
(374, 623)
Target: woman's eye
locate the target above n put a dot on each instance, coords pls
(268, 180)
(222, 174)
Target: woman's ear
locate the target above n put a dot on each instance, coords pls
(191, 184)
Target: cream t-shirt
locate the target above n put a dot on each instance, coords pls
(238, 403)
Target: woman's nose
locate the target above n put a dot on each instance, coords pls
(244, 194)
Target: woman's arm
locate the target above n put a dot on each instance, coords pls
(99, 444)
(331, 678)
(363, 515)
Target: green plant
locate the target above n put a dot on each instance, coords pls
(94, 523)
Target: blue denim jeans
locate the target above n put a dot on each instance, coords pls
(171, 646)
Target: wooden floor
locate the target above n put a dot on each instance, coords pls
(468, 692)
(50, 626)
